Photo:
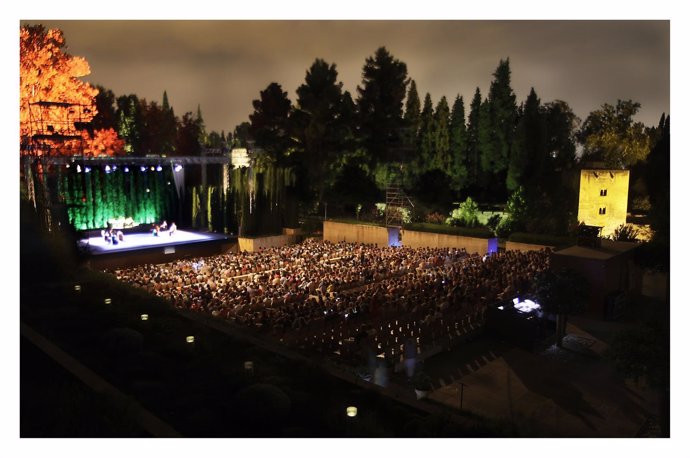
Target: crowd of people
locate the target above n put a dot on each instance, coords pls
(316, 284)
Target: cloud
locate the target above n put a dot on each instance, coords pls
(223, 65)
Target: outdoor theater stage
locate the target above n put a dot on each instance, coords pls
(145, 248)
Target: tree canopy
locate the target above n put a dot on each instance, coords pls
(610, 134)
(50, 90)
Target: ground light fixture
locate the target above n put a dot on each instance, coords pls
(77, 288)
(351, 411)
(144, 317)
(190, 339)
(108, 301)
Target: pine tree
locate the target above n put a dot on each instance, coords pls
(458, 145)
(270, 123)
(380, 104)
(319, 131)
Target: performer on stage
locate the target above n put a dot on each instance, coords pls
(156, 230)
(173, 228)
(164, 225)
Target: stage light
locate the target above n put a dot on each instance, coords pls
(178, 167)
(500, 307)
(144, 317)
(108, 301)
(87, 169)
(126, 169)
(516, 300)
(114, 168)
(159, 168)
(527, 306)
(77, 288)
(148, 190)
(351, 411)
(190, 339)
(142, 168)
(153, 168)
(107, 169)
(66, 166)
(78, 168)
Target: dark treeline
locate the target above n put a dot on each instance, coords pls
(344, 149)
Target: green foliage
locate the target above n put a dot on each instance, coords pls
(434, 218)
(404, 213)
(465, 214)
(95, 198)
(516, 207)
(610, 135)
(625, 233)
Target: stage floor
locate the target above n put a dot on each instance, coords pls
(142, 241)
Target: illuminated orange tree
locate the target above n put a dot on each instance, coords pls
(55, 105)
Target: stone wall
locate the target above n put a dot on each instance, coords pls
(355, 233)
(417, 239)
(518, 246)
(258, 243)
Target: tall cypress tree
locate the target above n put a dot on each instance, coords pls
(203, 136)
(412, 116)
(486, 146)
(168, 129)
(458, 145)
(529, 155)
(502, 112)
(472, 152)
(425, 138)
(442, 136)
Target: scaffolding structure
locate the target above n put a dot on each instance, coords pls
(396, 204)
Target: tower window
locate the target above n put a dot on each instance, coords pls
(602, 211)
(602, 192)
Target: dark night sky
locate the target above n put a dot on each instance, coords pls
(223, 65)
